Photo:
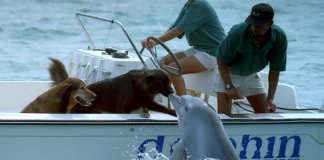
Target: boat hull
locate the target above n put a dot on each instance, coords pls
(128, 136)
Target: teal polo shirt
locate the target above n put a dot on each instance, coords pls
(201, 26)
(240, 50)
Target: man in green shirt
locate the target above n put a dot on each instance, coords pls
(248, 48)
(199, 22)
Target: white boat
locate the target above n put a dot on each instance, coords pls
(292, 133)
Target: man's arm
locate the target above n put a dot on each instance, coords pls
(232, 93)
(273, 80)
(223, 70)
(170, 34)
(273, 83)
(166, 36)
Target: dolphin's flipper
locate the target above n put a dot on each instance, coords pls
(179, 152)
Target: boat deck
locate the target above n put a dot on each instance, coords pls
(156, 118)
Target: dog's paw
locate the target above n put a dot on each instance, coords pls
(145, 113)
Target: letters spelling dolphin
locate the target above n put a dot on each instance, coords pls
(202, 134)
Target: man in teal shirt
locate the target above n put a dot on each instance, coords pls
(248, 48)
(199, 22)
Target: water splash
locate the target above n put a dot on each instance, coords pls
(152, 154)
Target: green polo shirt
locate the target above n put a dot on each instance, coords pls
(201, 26)
(240, 50)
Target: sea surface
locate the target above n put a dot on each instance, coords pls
(33, 30)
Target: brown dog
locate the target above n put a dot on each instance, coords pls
(127, 92)
(62, 97)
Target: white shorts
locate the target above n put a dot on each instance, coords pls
(204, 58)
(246, 85)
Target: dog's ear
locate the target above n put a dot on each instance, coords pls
(152, 81)
(63, 92)
(64, 87)
(159, 81)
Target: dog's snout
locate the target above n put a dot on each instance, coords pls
(171, 91)
(167, 92)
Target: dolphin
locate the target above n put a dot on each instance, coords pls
(202, 134)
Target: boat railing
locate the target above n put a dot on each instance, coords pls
(112, 21)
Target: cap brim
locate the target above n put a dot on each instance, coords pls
(254, 21)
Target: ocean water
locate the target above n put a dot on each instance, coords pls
(33, 30)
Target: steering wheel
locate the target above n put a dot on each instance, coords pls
(176, 71)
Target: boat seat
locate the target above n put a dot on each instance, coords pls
(18, 94)
(286, 95)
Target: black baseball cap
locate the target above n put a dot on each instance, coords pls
(260, 14)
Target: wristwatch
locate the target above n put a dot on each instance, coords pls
(228, 86)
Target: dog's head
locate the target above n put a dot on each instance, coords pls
(78, 92)
(159, 82)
